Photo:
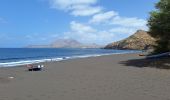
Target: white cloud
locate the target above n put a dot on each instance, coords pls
(88, 34)
(93, 31)
(103, 17)
(113, 18)
(96, 37)
(78, 27)
(77, 7)
(85, 10)
(67, 4)
(128, 22)
(119, 24)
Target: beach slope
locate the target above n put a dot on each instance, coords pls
(95, 78)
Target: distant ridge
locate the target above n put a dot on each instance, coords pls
(65, 43)
(140, 40)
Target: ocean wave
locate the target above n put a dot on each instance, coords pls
(18, 58)
(25, 62)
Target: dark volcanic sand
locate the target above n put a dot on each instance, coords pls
(95, 78)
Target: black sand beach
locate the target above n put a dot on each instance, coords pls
(111, 77)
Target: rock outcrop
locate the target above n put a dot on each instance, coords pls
(141, 40)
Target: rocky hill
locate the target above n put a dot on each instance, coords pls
(141, 40)
(65, 43)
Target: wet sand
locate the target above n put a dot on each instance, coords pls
(95, 78)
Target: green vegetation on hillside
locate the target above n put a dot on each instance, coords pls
(159, 25)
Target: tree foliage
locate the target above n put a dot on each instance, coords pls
(159, 25)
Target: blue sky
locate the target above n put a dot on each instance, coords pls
(25, 22)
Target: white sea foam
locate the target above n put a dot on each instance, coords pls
(25, 62)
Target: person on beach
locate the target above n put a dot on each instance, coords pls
(30, 67)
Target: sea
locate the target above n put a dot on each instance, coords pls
(11, 57)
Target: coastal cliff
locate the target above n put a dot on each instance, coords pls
(141, 40)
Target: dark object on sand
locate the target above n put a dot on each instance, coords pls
(167, 54)
(34, 67)
(142, 55)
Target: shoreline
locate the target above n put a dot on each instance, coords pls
(37, 61)
(94, 78)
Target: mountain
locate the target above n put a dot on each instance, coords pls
(141, 40)
(66, 43)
